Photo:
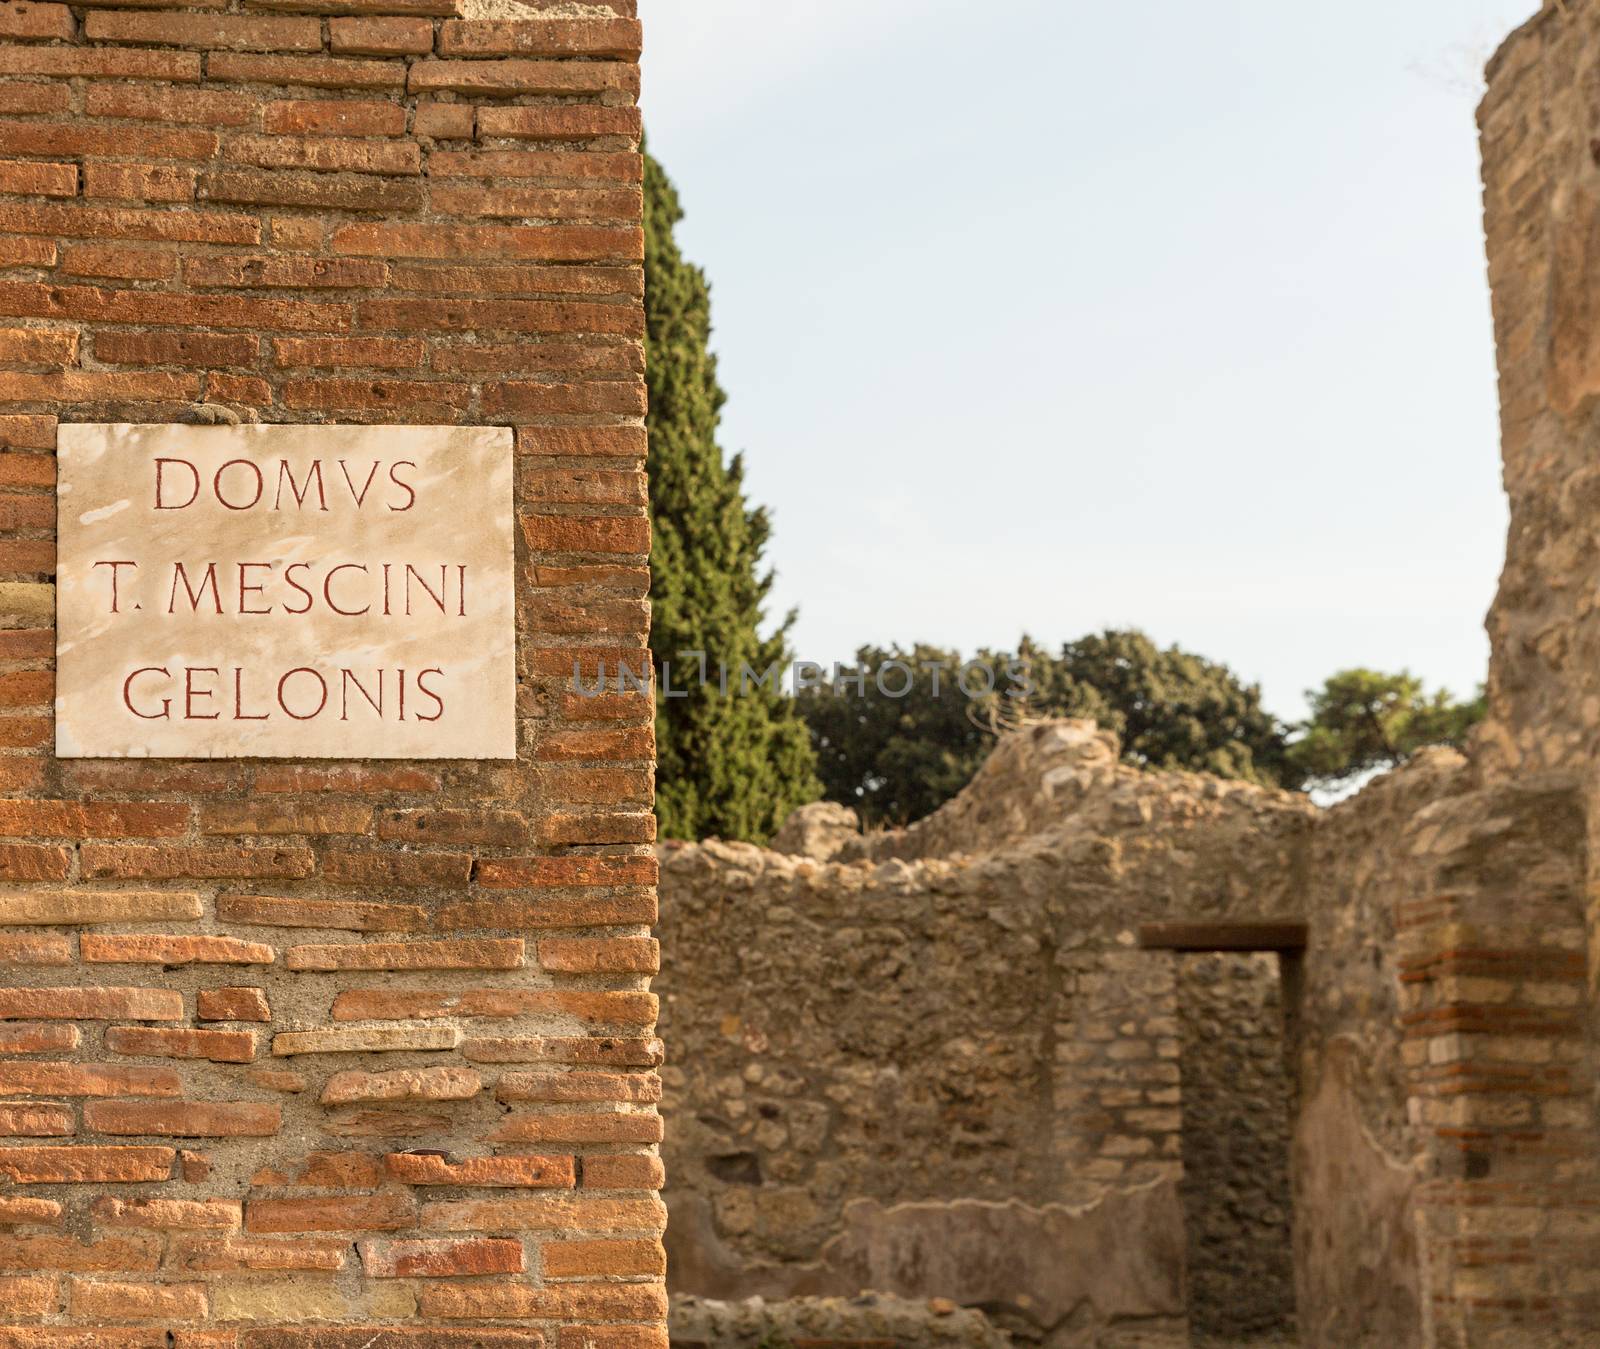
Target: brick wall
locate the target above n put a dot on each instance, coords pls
(290, 1046)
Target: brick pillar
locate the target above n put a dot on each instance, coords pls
(1499, 1071)
(332, 1053)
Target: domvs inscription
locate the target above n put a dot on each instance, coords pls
(285, 591)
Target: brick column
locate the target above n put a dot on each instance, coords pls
(332, 1053)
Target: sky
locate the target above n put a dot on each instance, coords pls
(1061, 315)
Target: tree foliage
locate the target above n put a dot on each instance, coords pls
(1364, 721)
(728, 766)
(897, 756)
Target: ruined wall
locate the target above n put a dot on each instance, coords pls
(957, 1075)
(319, 1052)
(1541, 177)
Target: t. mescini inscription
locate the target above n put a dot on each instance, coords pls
(271, 591)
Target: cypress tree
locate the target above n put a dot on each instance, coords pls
(733, 765)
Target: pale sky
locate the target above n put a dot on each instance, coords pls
(1061, 315)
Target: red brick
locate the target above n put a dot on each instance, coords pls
(334, 117)
(348, 778)
(380, 37)
(23, 21)
(105, 819)
(495, 828)
(557, 123)
(541, 872)
(35, 948)
(39, 346)
(143, 949)
(395, 1337)
(162, 309)
(396, 868)
(488, 954)
(552, 1085)
(85, 1079)
(353, 1086)
(582, 441)
(529, 316)
(91, 1004)
(183, 1119)
(114, 260)
(211, 32)
(36, 1121)
(511, 914)
(378, 353)
(536, 203)
(138, 1301)
(30, 1038)
(32, 178)
(139, 182)
(326, 153)
(602, 1008)
(200, 107)
(621, 38)
(52, 138)
(577, 1129)
(203, 350)
(510, 1301)
(317, 72)
(219, 1046)
(342, 1213)
(546, 1212)
(23, 732)
(29, 1212)
(27, 253)
(114, 222)
(232, 1004)
(257, 817)
(600, 955)
(70, 1164)
(229, 1255)
(444, 121)
(218, 862)
(343, 192)
(34, 98)
(600, 1259)
(33, 862)
(524, 1172)
(89, 386)
(610, 1051)
(223, 1215)
(26, 643)
(514, 77)
(101, 63)
(29, 1297)
(588, 533)
(552, 243)
(363, 394)
(350, 915)
(440, 1257)
(558, 165)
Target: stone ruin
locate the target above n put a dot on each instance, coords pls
(1128, 1058)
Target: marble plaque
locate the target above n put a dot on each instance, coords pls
(339, 592)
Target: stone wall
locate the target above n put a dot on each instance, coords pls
(958, 1075)
(319, 1052)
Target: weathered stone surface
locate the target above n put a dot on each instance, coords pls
(402, 1084)
(376, 563)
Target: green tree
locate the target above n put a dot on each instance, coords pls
(730, 766)
(897, 756)
(1171, 707)
(1363, 721)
